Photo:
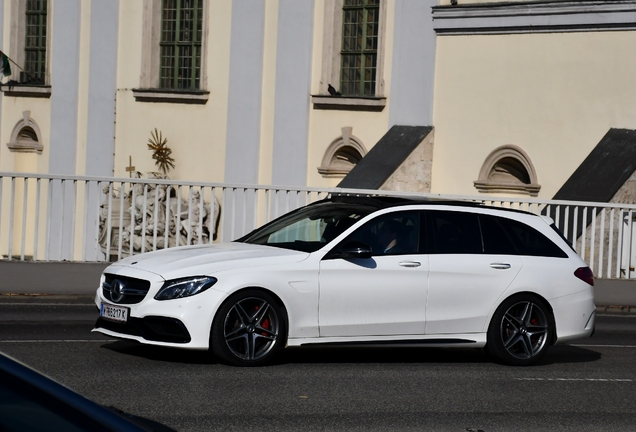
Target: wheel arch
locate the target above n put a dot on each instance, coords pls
(521, 293)
(277, 299)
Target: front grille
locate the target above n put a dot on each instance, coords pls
(132, 290)
(152, 328)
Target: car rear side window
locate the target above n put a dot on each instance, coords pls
(529, 241)
(455, 233)
(497, 241)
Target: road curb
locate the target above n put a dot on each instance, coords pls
(7, 298)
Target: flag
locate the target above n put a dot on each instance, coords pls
(5, 66)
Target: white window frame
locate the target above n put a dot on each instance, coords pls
(150, 60)
(17, 38)
(331, 47)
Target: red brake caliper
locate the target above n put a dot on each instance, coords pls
(265, 325)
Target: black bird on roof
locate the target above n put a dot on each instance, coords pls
(332, 91)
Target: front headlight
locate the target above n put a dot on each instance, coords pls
(186, 287)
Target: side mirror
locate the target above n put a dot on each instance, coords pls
(355, 249)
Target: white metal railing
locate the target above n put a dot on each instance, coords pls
(73, 218)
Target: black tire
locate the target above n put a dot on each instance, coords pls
(248, 329)
(521, 330)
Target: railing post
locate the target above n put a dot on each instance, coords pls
(155, 217)
(36, 233)
(610, 249)
(189, 222)
(143, 220)
(25, 203)
(11, 212)
(122, 195)
(73, 221)
(166, 233)
(85, 223)
(177, 218)
(601, 244)
(109, 221)
(619, 251)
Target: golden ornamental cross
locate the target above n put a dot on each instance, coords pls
(130, 168)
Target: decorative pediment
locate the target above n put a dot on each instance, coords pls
(26, 136)
(342, 155)
(508, 169)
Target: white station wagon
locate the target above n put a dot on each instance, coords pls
(360, 271)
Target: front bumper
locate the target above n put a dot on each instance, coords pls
(155, 329)
(183, 323)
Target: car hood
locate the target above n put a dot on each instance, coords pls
(207, 259)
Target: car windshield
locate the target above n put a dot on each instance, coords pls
(309, 228)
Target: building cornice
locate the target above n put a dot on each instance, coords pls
(535, 17)
(26, 90)
(355, 103)
(199, 97)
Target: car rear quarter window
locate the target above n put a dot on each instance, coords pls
(529, 241)
(454, 233)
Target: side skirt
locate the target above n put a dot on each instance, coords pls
(475, 340)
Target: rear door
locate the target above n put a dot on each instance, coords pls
(468, 274)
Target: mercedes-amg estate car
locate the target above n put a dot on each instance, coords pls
(360, 270)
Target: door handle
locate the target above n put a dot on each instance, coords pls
(500, 266)
(410, 264)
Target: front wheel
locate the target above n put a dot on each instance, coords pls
(248, 329)
(521, 330)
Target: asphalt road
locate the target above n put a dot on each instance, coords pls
(589, 385)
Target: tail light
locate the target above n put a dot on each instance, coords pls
(585, 274)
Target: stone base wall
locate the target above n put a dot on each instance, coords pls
(625, 195)
(414, 175)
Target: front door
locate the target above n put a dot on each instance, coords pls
(382, 295)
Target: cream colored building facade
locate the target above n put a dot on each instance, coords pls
(548, 78)
(261, 112)
(518, 93)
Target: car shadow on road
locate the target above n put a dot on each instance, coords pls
(564, 354)
(560, 354)
(159, 353)
(383, 354)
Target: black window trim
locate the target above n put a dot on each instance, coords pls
(431, 247)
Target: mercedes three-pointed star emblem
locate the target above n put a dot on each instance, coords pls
(117, 291)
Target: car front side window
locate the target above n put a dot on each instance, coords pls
(390, 234)
(309, 228)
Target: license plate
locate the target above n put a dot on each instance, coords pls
(113, 313)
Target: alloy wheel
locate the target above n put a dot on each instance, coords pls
(524, 330)
(251, 328)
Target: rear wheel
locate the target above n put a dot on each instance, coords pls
(248, 329)
(521, 330)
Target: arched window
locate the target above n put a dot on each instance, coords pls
(26, 136)
(342, 155)
(508, 169)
